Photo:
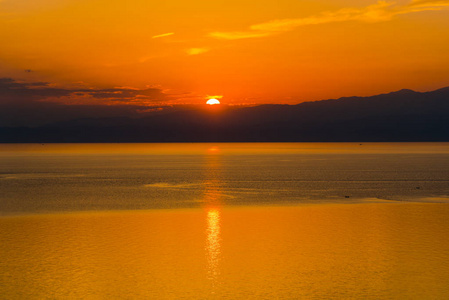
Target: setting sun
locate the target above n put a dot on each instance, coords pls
(212, 102)
(281, 149)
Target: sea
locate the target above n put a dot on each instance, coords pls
(224, 221)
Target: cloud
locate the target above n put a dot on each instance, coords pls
(429, 3)
(236, 35)
(424, 5)
(162, 35)
(36, 103)
(196, 51)
(127, 95)
(379, 12)
(214, 97)
(12, 90)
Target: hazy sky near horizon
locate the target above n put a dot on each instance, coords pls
(140, 52)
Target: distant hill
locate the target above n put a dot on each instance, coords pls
(404, 115)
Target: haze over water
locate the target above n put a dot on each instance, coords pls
(206, 221)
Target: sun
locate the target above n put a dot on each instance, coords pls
(212, 102)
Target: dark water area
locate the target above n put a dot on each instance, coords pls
(38, 178)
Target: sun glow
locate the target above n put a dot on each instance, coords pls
(212, 102)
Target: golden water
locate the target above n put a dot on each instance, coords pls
(224, 221)
(344, 251)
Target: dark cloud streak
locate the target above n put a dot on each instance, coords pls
(36, 103)
(9, 88)
(13, 90)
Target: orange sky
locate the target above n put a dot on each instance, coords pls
(266, 51)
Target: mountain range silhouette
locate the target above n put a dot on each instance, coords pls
(404, 115)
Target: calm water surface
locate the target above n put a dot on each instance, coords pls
(58, 177)
(224, 221)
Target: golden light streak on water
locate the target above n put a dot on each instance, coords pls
(212, 202)
(213, 247)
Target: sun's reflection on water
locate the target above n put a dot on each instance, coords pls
(212, 203)
(213, 246)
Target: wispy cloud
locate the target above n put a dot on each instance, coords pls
(214, 97)
(196, 51)
(162, 35)
(379, 12)
(236, 35)
(429, 3)
(34, 103)
(15, 91)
